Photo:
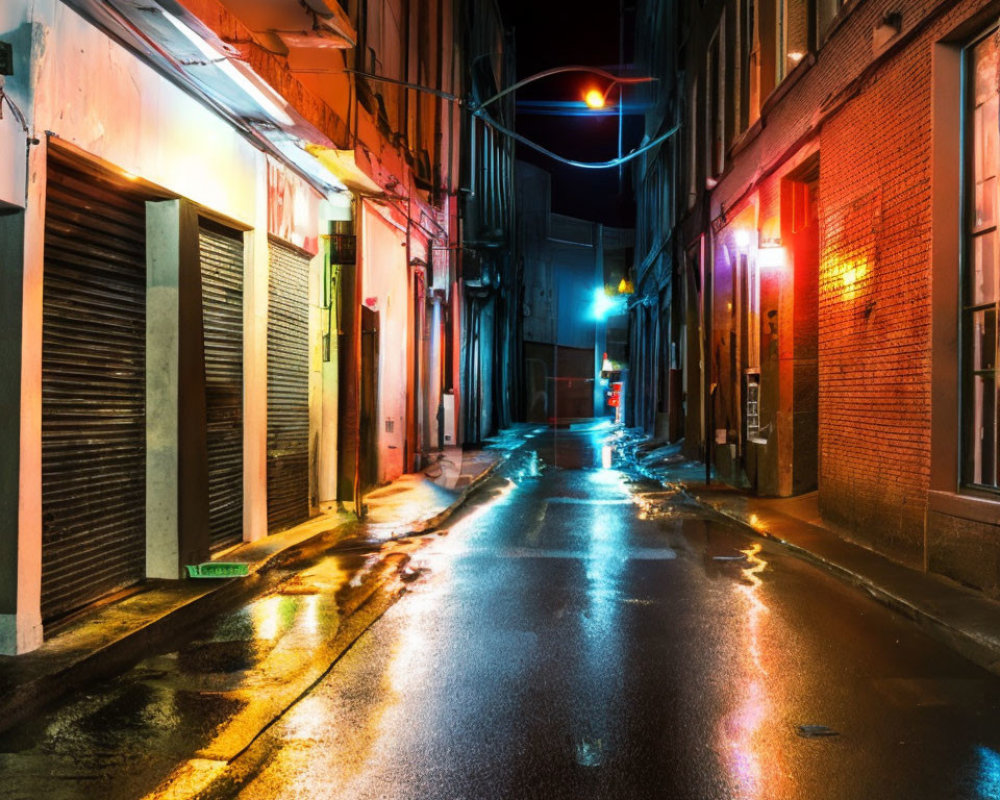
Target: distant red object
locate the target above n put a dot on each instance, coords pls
(614, 395)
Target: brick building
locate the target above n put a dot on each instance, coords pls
(816, 261)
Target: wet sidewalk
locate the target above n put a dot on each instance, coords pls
(108, 637)
(963, 618)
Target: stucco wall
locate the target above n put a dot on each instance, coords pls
(99, 97)
(385, 282)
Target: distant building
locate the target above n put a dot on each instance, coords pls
(490, 278)
(817, 261)
(572, 305)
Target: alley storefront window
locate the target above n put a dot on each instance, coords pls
(982, 289)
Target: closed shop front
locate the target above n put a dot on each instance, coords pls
(287, 387)
(93, 387)
(222, 257)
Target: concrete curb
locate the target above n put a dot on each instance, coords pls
(31, 696)
(27, 697)
(382, 594)
(374, 605)
(980, 648)
(430, 524)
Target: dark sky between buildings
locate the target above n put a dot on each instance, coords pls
(551, 33)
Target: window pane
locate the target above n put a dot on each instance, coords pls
(984, 57)
(984, 269)
(825, 12)
(796, 30)
(987, 135)
(986, 203)
(984, 339)
(981, 275)
(984, 431)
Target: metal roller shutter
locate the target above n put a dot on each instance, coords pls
(287, 388)
(222, 308)
(93, 389)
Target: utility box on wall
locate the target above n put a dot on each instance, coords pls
(448, 424)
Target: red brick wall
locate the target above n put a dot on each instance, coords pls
(875, 234)
(874, 306)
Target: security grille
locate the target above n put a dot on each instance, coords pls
(287, 388)
(93, 389)
(222, 309)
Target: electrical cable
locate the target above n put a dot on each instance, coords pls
(18, 115)
(406, 84)
(611, 163)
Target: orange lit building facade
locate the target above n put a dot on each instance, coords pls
(233, 277)
(816, 263)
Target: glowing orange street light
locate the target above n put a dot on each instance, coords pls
(594, 98)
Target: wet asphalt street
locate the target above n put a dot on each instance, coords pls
(580, 636)
(577, 633)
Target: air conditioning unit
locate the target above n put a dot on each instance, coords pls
(448, 403)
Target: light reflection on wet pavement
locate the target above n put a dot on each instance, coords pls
(588, 636)
(192, 706)
(576, 632)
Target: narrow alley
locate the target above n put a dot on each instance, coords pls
(577, 631)
(497, 400)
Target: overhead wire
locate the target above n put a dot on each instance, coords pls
(609, 164)
(478, 111)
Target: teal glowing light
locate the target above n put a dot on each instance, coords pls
(604, 305)
(989, 774)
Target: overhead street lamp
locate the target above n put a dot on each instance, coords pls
(595, 99)
(479, 110)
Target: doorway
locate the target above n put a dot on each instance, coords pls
(368, 471)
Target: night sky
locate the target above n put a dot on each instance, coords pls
(551, 33)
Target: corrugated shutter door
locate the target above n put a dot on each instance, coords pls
(93, 390)
(222, 308)
(287, 388)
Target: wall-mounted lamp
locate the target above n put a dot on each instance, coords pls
(604, 305)
(772, 257)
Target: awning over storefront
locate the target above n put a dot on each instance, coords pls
(344, 166)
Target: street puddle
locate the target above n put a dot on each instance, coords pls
(528, 466)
